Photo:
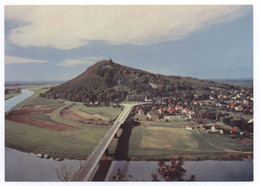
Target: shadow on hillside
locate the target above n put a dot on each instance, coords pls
(123, 141)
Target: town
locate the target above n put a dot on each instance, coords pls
(229, 112)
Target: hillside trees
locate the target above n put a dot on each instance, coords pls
(106, 79)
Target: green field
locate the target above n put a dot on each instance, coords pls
(44, 117)
(157, 142)
(77, 143)
(108, 112)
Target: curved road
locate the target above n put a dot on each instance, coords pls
(89, 166)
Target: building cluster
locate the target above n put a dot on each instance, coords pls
(216, 102)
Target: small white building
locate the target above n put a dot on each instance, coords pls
(189, 128)
(146, 99)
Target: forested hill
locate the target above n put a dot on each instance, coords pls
(107, 81)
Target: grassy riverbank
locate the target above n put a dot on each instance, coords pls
(12, 94)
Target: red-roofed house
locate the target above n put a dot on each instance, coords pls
(185, 110)
(171, 110)
(141, 112)
(239, 108)
(234, 130)
(178, 107)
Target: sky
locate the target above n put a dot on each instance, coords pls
(57, 43)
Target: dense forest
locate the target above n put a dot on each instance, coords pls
(107, 81)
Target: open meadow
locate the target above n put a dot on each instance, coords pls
(163, 140)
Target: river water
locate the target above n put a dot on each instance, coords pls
(10, 103)
(21, 166)
(209, 170)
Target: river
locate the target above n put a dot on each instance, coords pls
(21, 166)
(209, 170)
(10, 103)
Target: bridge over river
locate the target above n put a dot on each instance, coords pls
(85, 172)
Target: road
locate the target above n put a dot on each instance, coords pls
(89, 166)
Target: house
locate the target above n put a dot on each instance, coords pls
(225, 96)
(152, 115)
(234, 130)
(232, 105)
(212, 129)
(250, 121)
(161, 110)
(226, 131)
(216, 128)
(178, 107)
(189, 128)
(96, 103)
(191, 114)
(185, 110)
(148, 99)
(141, 112)
(219, 104)
(171, 110)
(211, 97)
(239, 108)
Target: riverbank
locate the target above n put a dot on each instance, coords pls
(228, 157)
(50, 155)
(11, 95)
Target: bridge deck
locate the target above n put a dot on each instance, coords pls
(88, 167)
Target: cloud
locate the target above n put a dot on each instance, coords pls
(81, 61)
(13, 60)
(66, 27)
